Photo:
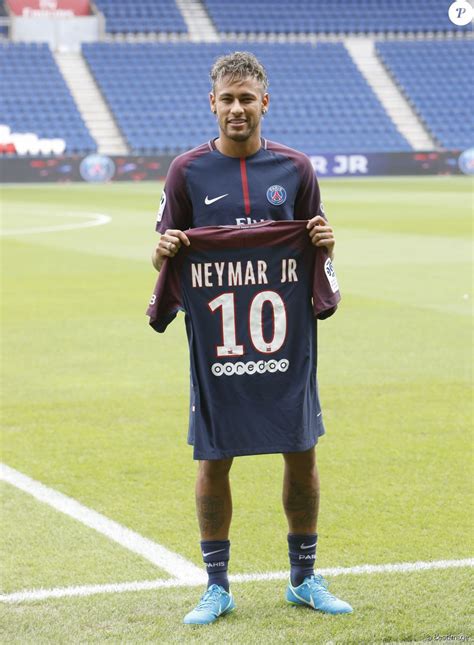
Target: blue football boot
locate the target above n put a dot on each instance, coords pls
(215, 602)
(313, 591)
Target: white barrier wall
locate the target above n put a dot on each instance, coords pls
(59, 33)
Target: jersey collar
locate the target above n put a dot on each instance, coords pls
(212, 145)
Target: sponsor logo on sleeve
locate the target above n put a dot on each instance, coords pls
(162, 206)
(331, 275)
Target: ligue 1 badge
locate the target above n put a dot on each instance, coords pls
(162, 206)
(276, 195)
(331, 275)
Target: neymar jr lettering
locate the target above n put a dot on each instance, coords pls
(238, 274)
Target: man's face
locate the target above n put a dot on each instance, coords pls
(238, 105)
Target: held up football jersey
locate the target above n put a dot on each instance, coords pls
(251, 294)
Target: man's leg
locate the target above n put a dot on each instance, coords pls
(301, 504)
(214, 499)
(214, 512)
(301, 492)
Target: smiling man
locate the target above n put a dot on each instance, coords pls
(240, 178)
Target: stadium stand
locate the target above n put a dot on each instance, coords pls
(35, 97)
(434, 77)
(141, 16)
(330, 16)
(320, 102)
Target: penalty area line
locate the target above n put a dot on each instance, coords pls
(151, 585)
(169, 561)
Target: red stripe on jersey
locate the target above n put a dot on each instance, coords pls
(245, 186)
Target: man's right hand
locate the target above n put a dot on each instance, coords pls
(169, 244)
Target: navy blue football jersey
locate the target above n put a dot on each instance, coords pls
(251, 294)
(207, 188)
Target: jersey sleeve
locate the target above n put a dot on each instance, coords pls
(326, 293)
(175, 209)
(308, 197)
(166, 299)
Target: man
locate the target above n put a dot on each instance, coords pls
(238, 179)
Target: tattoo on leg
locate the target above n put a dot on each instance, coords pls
(211, 513)
(301, 504)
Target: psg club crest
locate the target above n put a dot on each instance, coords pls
(97, 168)
(276, 195)
(466, 161)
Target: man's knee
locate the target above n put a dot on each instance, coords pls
(300, 463)
(215, 468)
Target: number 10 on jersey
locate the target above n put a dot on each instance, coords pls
(226, 303)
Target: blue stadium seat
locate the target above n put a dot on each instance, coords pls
(142, 16)
(330, 16)
(35, 97)
(435, 78)
(162, 90)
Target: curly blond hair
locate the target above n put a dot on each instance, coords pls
(237, 66)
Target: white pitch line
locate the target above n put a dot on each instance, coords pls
(95, 219)
(171, 562)
(92, 590)
(151, 585)
(401, 567)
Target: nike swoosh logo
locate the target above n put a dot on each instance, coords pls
(211, 552)
(208, 201)
(308, 546)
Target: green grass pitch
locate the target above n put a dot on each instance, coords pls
(95, 406)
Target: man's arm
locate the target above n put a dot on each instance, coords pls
(169, 244)
(174, 215)
(308, 202)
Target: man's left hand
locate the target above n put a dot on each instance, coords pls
(321, 234)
